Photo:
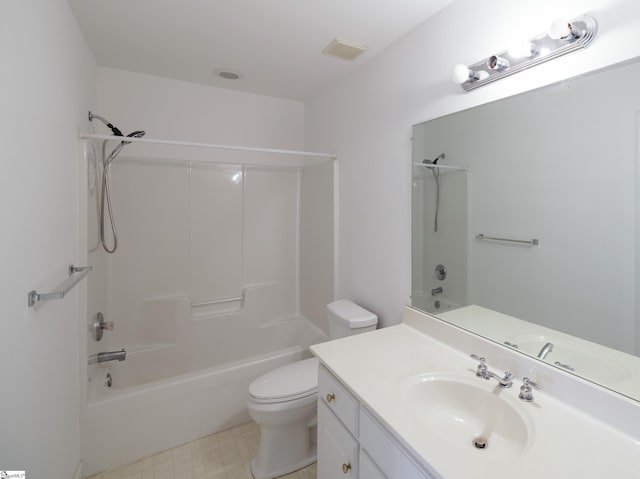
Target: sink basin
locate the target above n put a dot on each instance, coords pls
(585, 359)
(463, 412)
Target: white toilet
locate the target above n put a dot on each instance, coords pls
(283, 401)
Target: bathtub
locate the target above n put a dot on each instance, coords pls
(163, 396)
(432, 304)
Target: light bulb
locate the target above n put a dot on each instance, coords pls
(460, 74)
(559, 29)
(523, 50)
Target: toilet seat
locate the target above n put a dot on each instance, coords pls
(287, 383)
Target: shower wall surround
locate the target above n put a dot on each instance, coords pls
(204, 232)
(171, 109)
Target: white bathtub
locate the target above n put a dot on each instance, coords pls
(165, 395)
(432, 304)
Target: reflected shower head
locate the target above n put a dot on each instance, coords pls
(441, 156)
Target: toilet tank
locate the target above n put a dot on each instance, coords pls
(347, 318)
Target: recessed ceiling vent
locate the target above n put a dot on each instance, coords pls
(344, 49)
(228, 74)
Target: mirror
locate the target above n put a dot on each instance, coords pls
(525, 228)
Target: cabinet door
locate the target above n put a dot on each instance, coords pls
(368, 470)
(392, 460)
(337, 449)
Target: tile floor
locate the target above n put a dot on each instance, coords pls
(224, 455)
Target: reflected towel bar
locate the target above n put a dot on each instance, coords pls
(531, 242)
(76, 273)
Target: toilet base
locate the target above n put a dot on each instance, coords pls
(307, 461)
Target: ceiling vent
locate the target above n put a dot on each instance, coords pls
(344, 49)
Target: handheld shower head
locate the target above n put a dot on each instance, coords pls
(105, 201)
(134, 134)
(436, 175)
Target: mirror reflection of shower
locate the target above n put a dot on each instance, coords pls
(105, 196)
(440, 239)
(436, 175)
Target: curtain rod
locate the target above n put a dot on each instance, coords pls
(93, 136)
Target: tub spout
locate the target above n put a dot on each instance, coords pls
(108, 356)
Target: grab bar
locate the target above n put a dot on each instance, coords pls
(531, 242)
(76, 273)
(218, 301)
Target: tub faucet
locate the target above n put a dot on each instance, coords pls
(546, 349)
(108, 356)
(437, 290)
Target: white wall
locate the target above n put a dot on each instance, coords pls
(172, 109)
(48, 78)
(367, 119)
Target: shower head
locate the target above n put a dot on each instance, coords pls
(134, 134)
(113, 129)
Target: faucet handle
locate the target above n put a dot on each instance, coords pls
(526, 390)
(478, 358)
(481, 372)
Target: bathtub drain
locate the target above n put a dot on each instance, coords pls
(108, 380)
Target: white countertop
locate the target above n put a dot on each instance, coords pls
(566, 442)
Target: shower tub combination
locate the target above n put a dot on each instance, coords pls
(211, 286)
(164, 395)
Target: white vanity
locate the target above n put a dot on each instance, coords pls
(406, 402)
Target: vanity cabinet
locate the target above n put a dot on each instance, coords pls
(352, 443)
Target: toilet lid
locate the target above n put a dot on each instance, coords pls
(293, 381)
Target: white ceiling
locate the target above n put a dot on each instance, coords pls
(276, 44)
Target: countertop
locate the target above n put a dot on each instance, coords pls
(566, 442)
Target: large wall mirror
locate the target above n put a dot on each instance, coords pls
(525, 223)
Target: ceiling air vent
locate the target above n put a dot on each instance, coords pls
(344, 49)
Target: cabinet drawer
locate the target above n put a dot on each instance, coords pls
(337, 449)
(381, 447)
(336, 397)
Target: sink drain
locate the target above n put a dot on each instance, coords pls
(480, 443)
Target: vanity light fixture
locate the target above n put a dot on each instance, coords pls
(562, 37)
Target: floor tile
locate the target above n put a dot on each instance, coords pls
(224, 455)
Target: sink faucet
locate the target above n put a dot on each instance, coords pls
(437, 290)
(546, 349)
(483, 372)
(108, 356)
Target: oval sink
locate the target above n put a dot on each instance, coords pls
(463, 412)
